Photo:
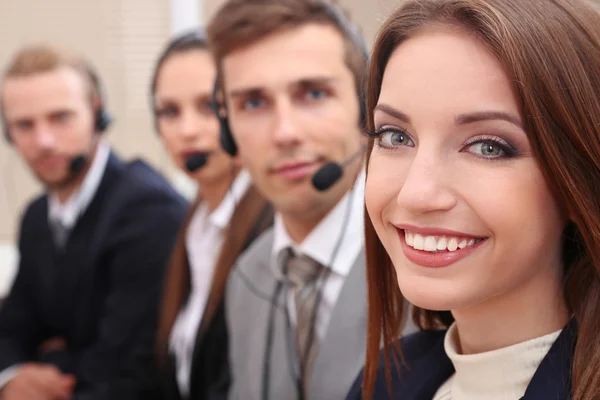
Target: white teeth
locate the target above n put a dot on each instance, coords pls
(430, 244)
(452, 244)
(437, 243)
(441, 244)
(410, 238)
(418, 242)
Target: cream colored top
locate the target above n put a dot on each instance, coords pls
(501, 374)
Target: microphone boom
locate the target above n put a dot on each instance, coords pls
(330, 173)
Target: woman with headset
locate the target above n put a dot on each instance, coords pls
(228, 214)
(483, 196)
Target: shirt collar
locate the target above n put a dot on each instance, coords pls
(221, 216)
(68, 212)
(321, 242)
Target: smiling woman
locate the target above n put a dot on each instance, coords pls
(482, 193)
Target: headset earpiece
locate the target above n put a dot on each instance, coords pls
(226, 137)
(103, 120)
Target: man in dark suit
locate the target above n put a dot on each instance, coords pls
(92, 249)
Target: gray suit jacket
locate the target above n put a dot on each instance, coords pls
(249, 295)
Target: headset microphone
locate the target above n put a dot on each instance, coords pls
(331, 172)
(196, 161)
(78, 163)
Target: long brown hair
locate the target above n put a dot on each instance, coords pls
(551, 51)
(252, 216)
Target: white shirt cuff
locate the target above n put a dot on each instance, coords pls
(8, 374)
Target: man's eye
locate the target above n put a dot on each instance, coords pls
(252, 104)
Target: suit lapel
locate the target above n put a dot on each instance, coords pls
(341, 353)
(282, 374)
(169, 377)
(281, 378)
(45, 255)
(101, 203)
(421, 378)
(174, 392)
(552, 379)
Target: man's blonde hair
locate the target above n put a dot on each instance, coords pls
(40, 58)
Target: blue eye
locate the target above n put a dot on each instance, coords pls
(488, 149)
(315, 94)
(393, 137)
(491, 148)
(252, 104)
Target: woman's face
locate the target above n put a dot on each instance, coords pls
(453, 189)
(186, 119)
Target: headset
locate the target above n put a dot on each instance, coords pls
(323, 179)
(349, 30)
(102, 118)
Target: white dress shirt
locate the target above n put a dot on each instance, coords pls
(68, 212)
(320, 246)
(204, 240)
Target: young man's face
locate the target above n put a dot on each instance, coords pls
(293, 107)
(50, 119)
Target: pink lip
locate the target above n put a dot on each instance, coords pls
(188, 153)
(436, 231)
(49, 162)
(294, 171)
(438, 259)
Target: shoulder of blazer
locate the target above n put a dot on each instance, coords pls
(36, 209)
(259, 252)
(420, 351)
(417, 346)
(142, 182)
(253, 265)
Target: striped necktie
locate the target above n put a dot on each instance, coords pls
(303, 272)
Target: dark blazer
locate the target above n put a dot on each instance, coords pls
(145, 378)
(428, 367)
(100, 292)
(210, 377)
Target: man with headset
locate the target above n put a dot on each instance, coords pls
(291, 73)
(92, 249)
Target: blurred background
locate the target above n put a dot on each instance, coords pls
(122, 38)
